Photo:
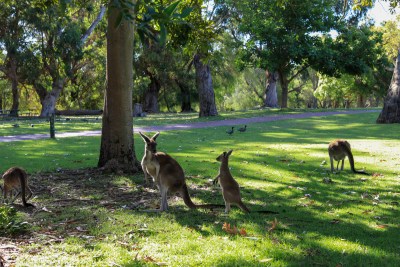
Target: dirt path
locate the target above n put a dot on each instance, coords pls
(186, 126)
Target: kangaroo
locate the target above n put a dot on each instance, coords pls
(167, 174)
(338, 150)
(14, 177)
(230, 188)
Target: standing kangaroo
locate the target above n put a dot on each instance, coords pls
(338, 150)
(167, 174)
(13, 178)
(230, 188)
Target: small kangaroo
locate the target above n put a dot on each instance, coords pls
(167, 174)
(14, 177)
(230, 188)
(338, 150)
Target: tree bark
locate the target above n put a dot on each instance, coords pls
(360, 101)
(205, 88)
(270, 96)
(117, 152)
(50, 99)
(14, 86)
(185, 96)
(285, 88)
(391, 107)
(150, 97)
(315, 84)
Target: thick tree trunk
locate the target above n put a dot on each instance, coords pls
(285, 88)
(14, 87)
(391, 107)
(117, 152)
(49, 101)
(150, 97)
(205, 88)
(270, 96)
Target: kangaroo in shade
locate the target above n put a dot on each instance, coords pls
(338, 150)
(230, 188)
(167, 174)
(13, 178)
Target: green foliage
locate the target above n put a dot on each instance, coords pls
(391, 38)
(10, 222)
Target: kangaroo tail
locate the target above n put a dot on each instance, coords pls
(23, 180)
(186, 197)
(243, 207)
(189, 203)
(351, 160)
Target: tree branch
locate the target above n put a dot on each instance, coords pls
(254, 89)
(298, 72)
(93, 25)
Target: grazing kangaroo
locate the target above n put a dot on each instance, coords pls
(167, 174)
(14, 177)
(338, 150)
(230, 188)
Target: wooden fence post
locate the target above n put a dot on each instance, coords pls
(52, 129)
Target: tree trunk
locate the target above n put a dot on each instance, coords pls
(14, 86)
(360, 101)
(315, 84)
(270, 96)
(117, 152)
(285, 88)
(150, 97)
(205, 88)
(185, 97)
(391, 107)
(49, 101)
(377, 101)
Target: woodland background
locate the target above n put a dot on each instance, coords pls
(321, 57)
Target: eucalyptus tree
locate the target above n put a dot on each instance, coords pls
(13, 43)
(117, 152)
(391, 108)
(57, 49)
(287, 37)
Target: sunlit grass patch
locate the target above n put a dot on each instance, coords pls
(281, 166)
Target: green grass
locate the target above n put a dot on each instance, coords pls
(280, 167)
(82, 123)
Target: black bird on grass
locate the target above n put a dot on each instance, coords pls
(230, 131)
(243, 129)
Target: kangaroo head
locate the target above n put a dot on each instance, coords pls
(224, 156)
(151, 144)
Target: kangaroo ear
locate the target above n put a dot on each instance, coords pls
(145, 138)
(155, 136)
(229, 153)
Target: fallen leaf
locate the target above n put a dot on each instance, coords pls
(335, 221)
(227, 228)
(382, 226)
(34, 252)
(273, 225)
(368, 211)
(243, 232)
